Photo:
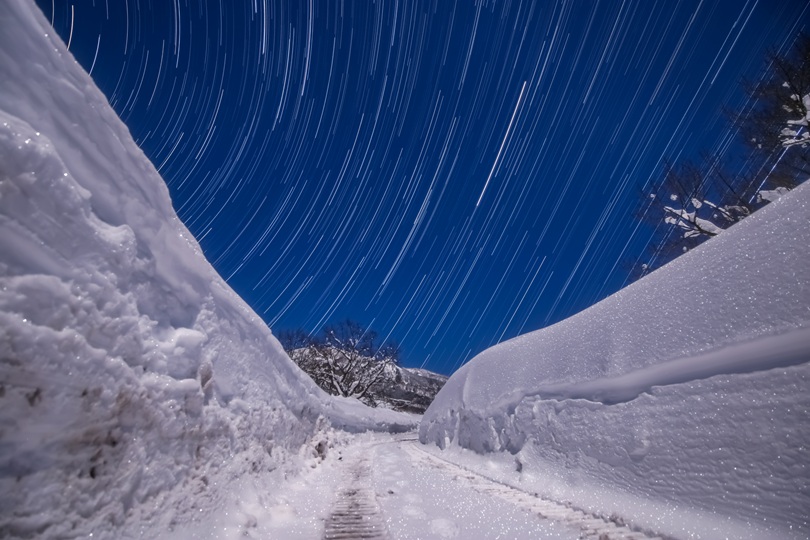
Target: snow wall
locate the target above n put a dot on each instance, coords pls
(690, 387)
(130, 373)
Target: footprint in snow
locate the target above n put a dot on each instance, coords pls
(412, 498)
(444, 528)
(281, 514)
(414, 511)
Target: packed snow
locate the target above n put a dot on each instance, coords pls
(681, 402)
(136, 388)
(387, 487)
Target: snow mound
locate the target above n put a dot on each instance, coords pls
(133, 381)
(691, 388)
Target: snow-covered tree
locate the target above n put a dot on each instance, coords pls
(777, 126)
(692, 203)
(344, 360)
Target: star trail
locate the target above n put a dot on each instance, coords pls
(448, 173)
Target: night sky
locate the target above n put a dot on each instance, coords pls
(448, 173)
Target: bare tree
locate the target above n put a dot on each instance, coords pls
(703, 201)
(302, 348)
(777, 126)
(345, 360)
(694, 202)
(691, 204)
(293, 340)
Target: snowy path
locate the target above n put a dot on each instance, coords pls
(584, 525)
(356, 514)
(390, 487)
(387, 487)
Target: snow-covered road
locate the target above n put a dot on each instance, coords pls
(391, 487)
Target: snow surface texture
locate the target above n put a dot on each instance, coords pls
(690, 388)
(383, 481)
(134, 383)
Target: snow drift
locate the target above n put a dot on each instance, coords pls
(131, 375)
(691, 388)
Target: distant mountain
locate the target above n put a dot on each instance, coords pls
(408, 389)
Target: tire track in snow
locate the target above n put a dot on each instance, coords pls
(356, 514)
(590, 526)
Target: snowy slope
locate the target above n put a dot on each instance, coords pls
(410, 389)
(687, 393)
(133, 381)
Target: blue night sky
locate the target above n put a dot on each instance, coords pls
(449, 173)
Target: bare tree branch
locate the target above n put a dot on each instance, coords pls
(345, 360)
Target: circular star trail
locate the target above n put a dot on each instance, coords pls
(448, 173)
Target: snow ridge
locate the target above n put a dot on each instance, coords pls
(771, 352)
(134, 383)
(688, 389)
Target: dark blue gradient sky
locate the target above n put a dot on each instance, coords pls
(449, 173)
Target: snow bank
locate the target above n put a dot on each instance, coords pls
(690, 388)
(133, 381)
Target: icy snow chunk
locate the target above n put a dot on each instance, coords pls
(771, 195)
